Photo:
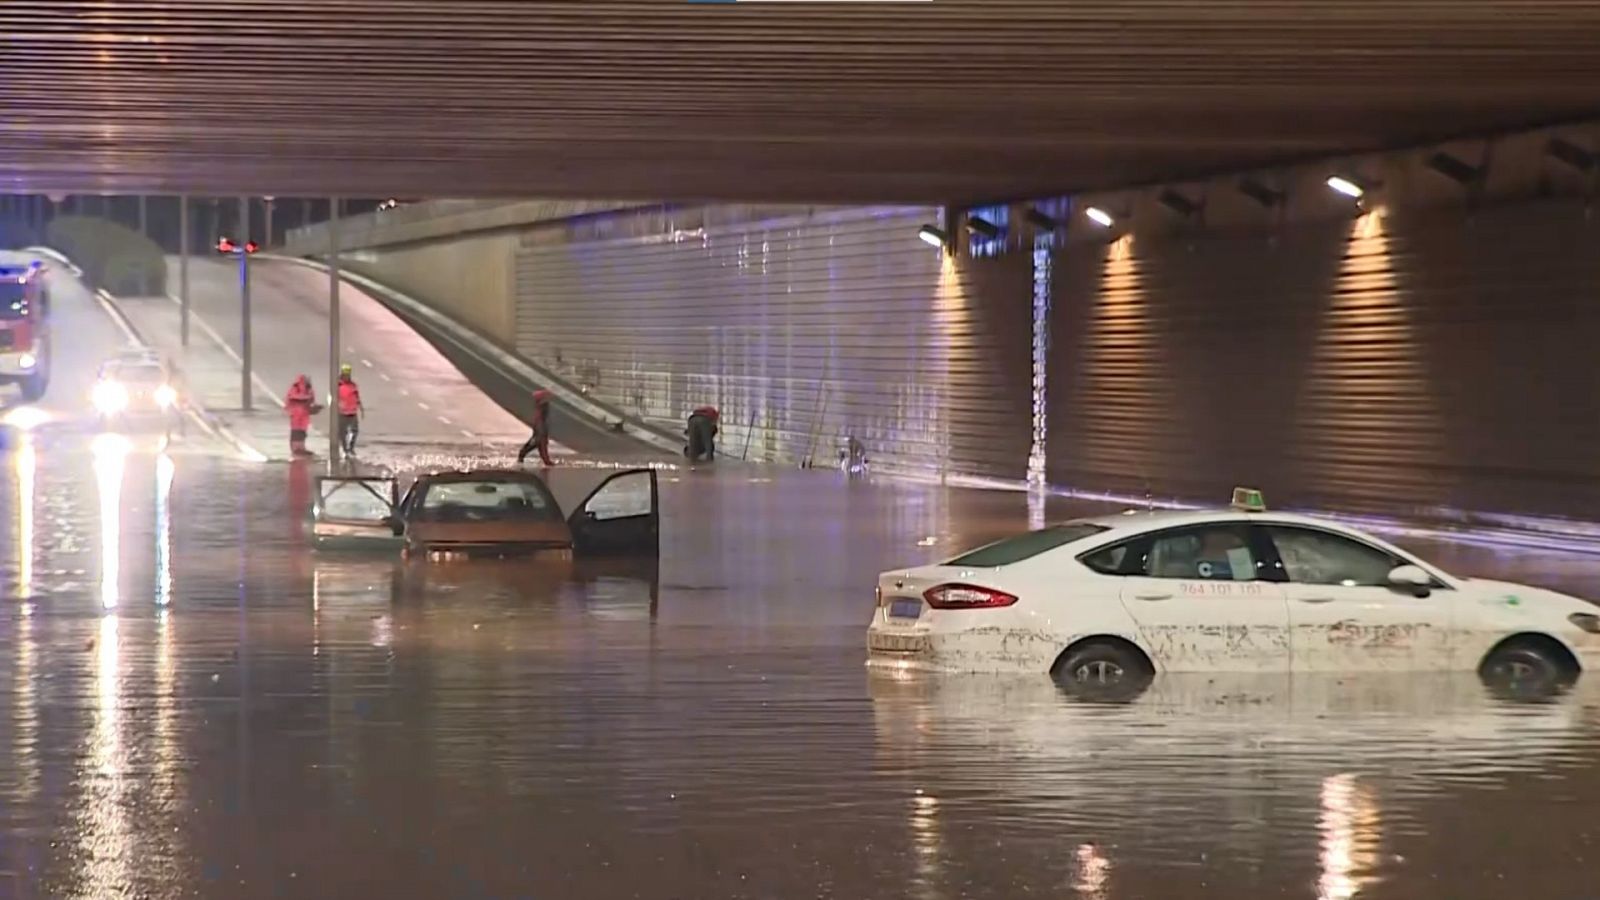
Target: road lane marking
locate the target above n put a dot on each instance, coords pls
(445, 420)
(383, 376)
(424, 405)
(367, 363)
(467, 433)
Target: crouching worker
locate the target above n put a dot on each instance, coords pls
(702, 434)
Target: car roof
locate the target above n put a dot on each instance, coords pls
(1133, 522)
(508, 475)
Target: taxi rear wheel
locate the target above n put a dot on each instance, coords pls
(1104, 668)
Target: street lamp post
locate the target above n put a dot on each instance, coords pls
(334, 449)
(244, 304)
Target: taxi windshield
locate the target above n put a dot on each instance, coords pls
(1027, 546)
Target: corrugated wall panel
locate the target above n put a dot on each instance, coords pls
(1389, 365)
(802, 331)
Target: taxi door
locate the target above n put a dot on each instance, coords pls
(1344, 615)
(1205, 600)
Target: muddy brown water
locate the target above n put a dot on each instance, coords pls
(223, 713)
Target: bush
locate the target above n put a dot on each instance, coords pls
(118, 259)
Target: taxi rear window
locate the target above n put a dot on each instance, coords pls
(1026, 546)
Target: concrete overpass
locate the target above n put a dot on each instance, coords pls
(648, 99)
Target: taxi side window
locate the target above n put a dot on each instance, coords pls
(1114, 560)
(1203, 553)
(1318, 557)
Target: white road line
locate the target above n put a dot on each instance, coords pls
(467, 433)
(446, 421)
(404, 392)
(383, 376)
(424, 405)
(367, 363)
(255, 377)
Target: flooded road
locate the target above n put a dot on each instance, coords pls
(192, 703)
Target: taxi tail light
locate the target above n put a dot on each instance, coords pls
(966, 596)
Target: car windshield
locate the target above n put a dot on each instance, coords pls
(486, 501)
(139, 374)
(1027, 546)
(13, 299)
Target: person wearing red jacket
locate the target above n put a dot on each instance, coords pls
(350, 411)
(702, 434)
(301, 404)
(540, 439)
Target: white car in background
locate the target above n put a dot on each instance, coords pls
(1111, 601)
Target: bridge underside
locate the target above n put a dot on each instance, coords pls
(924, 102)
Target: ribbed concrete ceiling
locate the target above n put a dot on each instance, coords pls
(826, 101)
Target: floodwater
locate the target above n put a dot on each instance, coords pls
(193, 704)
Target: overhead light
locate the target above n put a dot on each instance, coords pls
(933, 236)
(983, 227)
(1178, 203)
(1039, 220)
(1260, 193)
(1455, 169)
(1571, 154)
(1346, 186)
(1099, 216)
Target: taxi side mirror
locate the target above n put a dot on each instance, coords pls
(1411, 579)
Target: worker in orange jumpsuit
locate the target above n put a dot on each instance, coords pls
(301, 404)
(540, 439)
(350, 411)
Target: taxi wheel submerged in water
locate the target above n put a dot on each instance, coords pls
(1529, 666)
(1102, 668)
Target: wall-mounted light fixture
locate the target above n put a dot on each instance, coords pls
(1039, 220)
(1260, 193)
(934, 237)
(1100, 217)
(1180, 203)
(982, 227)
(1347, 185)
(1567, 152)
(1454, 168)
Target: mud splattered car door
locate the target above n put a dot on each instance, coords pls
(622, 517)
(1204, 601)
(1346, 617)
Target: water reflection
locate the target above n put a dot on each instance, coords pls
(110, 460)
(164, 473)
(105, 831)
(1093, 872)
(1350, 836)
(25, 463)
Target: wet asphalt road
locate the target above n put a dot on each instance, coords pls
(192, 703)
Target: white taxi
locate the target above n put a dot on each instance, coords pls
(1116, 599)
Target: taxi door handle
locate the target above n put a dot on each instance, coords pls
(1316, 599)
(1154, 596)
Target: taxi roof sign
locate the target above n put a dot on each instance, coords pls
(1249, 500)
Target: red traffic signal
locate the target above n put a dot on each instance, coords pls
(226, 245)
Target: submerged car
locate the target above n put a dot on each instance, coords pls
(1115, 599)
(489, 512)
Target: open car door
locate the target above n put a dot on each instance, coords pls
(622, 517)
(354, 513)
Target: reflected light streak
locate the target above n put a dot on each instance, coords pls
(165, 470)
(1093, 872)
(929, 844)
(26, 462)
(25, 699)
(1350, 836)
(105, 829)
(110, 459)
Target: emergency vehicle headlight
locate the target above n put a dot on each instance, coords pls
(166, 396)
(27, 360)
(110, 397)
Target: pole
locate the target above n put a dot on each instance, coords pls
(244, 305)
(183, 271)
(334, 450)
(144, 216)
(266, 240)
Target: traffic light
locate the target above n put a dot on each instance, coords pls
(225, 245)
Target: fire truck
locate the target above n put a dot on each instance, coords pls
(24, 329)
